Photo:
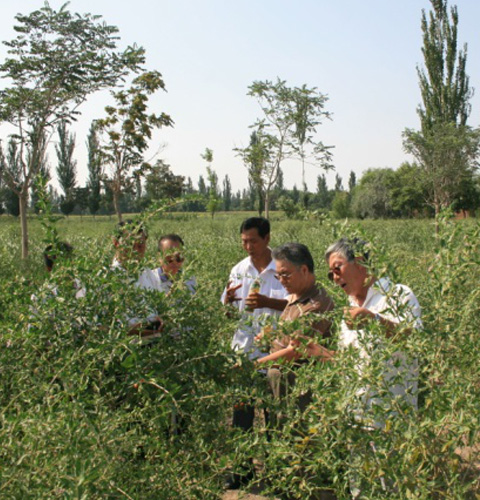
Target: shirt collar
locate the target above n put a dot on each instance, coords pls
(270, 268)
(308, 295)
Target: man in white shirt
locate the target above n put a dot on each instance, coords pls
(171, 260)
(130, 242)
(392, 307)
(255, 306)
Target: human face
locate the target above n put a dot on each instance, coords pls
(131, 247)
(292, 277)
(171, 259)
(349, 275)
(254, 244)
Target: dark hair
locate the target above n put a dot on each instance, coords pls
(349, 249)
(52, 251)
(170, 237)
(128, 228)
(261, 224)
(295, 253)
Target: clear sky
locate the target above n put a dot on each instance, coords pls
(362, 54)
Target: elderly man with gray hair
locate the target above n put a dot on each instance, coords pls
(392, 308)
(295, 270)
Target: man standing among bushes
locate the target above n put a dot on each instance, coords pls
(130, 242)
(252, 289)
(387, 383)
(307, 305)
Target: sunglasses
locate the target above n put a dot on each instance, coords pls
(335, 271)
(170, 259)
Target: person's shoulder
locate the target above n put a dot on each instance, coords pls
(320, 300)
(241, 266)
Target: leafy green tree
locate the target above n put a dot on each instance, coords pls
(202, 187)
(338, 183)
(161, 183)
(291, 116)
(95, 170)
(341, 205)
(407, 192)
(127, 129)
(227, 193)
(309, 112)
(445, 147)
(11, 163)
(371, 197)
(323, 194)
(55, 62)
(66, 167)
(352, 181)
(214, 202)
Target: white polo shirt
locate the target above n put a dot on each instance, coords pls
(398, 304)
(250, 324)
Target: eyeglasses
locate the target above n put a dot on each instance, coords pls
(170, 259)
(335, 271)
(282, 276)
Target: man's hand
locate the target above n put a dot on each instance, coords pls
(256, 300)
(230, 296)
(357, 316)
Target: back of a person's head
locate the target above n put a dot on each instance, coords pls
(129, 228)
(261, 224)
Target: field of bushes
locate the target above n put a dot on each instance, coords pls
(86, 413)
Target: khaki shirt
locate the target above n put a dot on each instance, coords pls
(315, 302)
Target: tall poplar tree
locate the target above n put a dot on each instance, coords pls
(66, 167)
(94, 164)
(445, 147)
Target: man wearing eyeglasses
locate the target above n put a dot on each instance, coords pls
(308, 305)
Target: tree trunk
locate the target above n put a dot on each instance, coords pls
(267, 204)
(22, 201)
(116, 205)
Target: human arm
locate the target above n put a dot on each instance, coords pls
(229, 294)
(146, 328)
(359, 316)
(256, 300)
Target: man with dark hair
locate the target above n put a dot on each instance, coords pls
(130, 242)
(295, 270)
(171, 260)
(52, 251)
(254, 291)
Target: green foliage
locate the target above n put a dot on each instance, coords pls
(291, 117)
(55, 62)
(445, 148)
(126, 129)
(84, 412)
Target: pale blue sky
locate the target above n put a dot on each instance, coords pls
(362, 54)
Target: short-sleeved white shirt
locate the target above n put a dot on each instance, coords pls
(398, 304)
(250, 324)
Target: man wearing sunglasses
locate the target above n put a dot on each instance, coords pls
(376, 305)
(171, 260)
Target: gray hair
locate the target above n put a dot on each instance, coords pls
(295, 253)
(349, 249)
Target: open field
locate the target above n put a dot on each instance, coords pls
(84, 413)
